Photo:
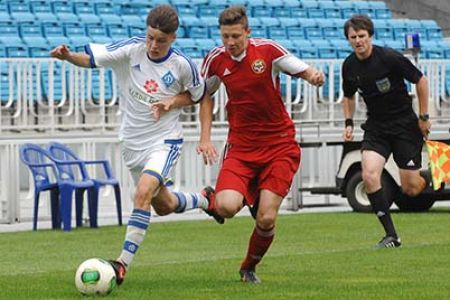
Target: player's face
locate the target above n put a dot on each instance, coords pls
(234, 38)
(158, 42)
(361, 42)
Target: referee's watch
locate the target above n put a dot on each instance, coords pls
(424, 117)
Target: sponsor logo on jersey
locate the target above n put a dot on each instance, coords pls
(383, 85)
(151, 86)
(141, 97)
(258, 66)
(168, 79)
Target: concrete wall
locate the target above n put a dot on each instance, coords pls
(438, 10)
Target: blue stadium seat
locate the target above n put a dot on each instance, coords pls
(311, 29)
(432, 50)
(347, 9)
(306, 49)
(186, 10)
(64, 10)
(137, 30)
(295, 32)
(330, 9)
(213, 26)
(313, 10)
(40, 8)
(383, 31)
(364, 8)
(205, 45)
(96, 85)
(17, 51)
(106, 8)
(258, 8)
(74, 30)
(416, 26)
(329, 29)
(445, 46)
(117, 31)
(133, 21)
(298, 12)
(394, 44)
(324, 49)
(343, 49)
(96, 31)
(434, 32)
(38, 51)
(189, 47)
(86, 12)
(20, 10)
(9, 29)
(210, 10)
(280, 9)
(380, 10)
(109, 19)
(399, 28)
(32, 35)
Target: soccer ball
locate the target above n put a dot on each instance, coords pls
(95, 276)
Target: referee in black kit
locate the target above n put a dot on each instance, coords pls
(392, 126)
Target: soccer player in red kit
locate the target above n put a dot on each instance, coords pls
(262, 155)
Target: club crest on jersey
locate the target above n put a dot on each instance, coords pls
(168, 79)
(383, 85)
(258, 66)
(151, 86)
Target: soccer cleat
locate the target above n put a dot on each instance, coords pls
(389, 242)
(209, 193)
(119, 269)
(249, 277)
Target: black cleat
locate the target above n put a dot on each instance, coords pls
(249, 277)
(209, 193)
(119, 269)
(389, 242)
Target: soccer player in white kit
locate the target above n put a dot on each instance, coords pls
(155, 81)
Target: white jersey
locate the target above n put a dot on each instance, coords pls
(143, 81)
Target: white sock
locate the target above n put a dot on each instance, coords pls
(136, 230)
(188, 201)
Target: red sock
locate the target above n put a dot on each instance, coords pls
(260, 241)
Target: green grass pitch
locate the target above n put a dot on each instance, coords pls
(314, 256)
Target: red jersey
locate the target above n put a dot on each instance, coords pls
(256, 112)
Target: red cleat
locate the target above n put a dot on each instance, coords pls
(119, 269)
(209, 193)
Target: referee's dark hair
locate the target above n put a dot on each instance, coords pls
(359, 22)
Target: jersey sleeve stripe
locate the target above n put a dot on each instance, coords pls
(209, 58)
(133, 40)
(194, 69)
(88, 50)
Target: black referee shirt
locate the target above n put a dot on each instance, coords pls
(380, 81)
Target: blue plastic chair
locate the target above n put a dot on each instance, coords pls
(44, 175)
(63, 156)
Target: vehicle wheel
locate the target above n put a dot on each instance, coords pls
(357, 196)
(414, 204)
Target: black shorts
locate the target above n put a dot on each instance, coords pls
(401, 137)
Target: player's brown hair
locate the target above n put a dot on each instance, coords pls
(163, 18)
(359, 22)
(234, 15)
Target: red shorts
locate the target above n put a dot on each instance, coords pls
(250, 170)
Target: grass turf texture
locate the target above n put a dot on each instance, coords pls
(314, 256)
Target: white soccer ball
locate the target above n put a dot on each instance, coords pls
(95, 276)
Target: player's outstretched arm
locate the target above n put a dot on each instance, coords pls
(63, 52)
(313, 76)
(205, 147)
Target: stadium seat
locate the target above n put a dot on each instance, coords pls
(306, 49)
(213, 26)
(313, 10)
(364, 8)
(44, 173)
(86, 12)
(324, 49)
(65, 159)
(329, 28)
(40, 8)
(383, 31)
(434, 32)
(282, 9)
(380, 10)
(416, 26)
(347, 9)
(186, 10)
(64, 11)
(38, 51)
(138, 31)
(205, 45)
(445, 46)
(343, 49)
(133, 21)
(20, 11)
(117, 31)
(311, 29)
(210, 11)
(298, 12)
(399, 28)
(432, 50)
(331, 10)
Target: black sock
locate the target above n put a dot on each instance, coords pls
(380, 207)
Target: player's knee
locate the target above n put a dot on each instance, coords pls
(265, 221)
(226, 209)
(143, 196)
(371, 180)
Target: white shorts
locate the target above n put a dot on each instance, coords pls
(158, 160)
